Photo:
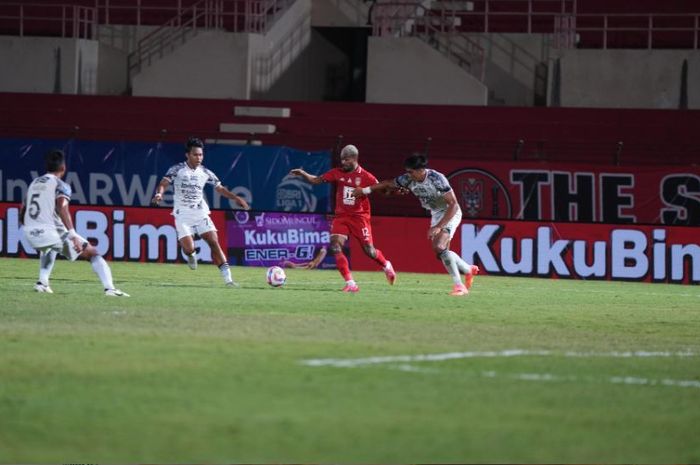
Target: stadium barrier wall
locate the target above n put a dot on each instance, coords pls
(149, 235)
(646, 253)
(576, 192)
(127, 173)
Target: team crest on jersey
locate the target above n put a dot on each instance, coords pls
(480, 194)
(357, 182)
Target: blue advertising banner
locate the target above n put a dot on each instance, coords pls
(127, 173)
(284, 239)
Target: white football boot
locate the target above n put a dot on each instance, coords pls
(41, 287)
(115, 293)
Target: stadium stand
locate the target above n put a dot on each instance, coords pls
(384, 132)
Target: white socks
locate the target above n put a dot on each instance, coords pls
(464, 267)
(101, 268)
(451, 266)
(46, 263)
(225, 272)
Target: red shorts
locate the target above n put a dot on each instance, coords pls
(358, 226)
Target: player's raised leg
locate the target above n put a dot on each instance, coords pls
(217, 254)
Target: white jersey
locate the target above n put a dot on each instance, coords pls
(188, 188)
(41, 202)
(431, 191)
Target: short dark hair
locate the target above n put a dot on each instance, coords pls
(416, 162)
(193, 142)
(54, 159)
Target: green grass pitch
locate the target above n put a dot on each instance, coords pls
(187, 370)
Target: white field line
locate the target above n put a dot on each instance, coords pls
(377, 360)
(337, 284)
(548, 377)
(482, 290)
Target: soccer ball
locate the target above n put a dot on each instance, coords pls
(276, 276)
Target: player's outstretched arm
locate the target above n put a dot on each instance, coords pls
(380, 186)
(310, 178)
(230, 195)
(164, 183)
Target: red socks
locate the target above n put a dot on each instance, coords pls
(343, 266)
(381, 261)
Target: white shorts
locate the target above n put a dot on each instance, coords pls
(452, 226)
(189, 225)
(48, 238)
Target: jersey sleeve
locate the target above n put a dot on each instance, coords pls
(172, 173)
(441, 183)
(212, 178)
(403, 181)
(371, 179)
(63, 190)
(329, 176)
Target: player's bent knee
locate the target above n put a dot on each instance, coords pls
(439, 251)
(335, 249)
(370, 251)
(88, 252)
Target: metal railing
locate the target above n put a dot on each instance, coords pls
(202, 15)
(531, 13)
(561, 18)
(651, 27)
(61, 20)
(409, 18)
(255, 16)
(268, 67)
(235, 15)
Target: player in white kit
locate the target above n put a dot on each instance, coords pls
(436, 195)
(48, 226)
(190, 209)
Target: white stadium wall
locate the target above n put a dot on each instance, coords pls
(111, 71)
(628, 78)
(212, 64)
(511, 62)
(305, 79)
(407, 70)
(218, 64)
(47, 65)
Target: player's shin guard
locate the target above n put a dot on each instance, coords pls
(102, 270)
(343, 266)
(451, 267)
(379, 258)
(46, 263)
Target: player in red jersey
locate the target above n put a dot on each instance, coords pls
(352, 215)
